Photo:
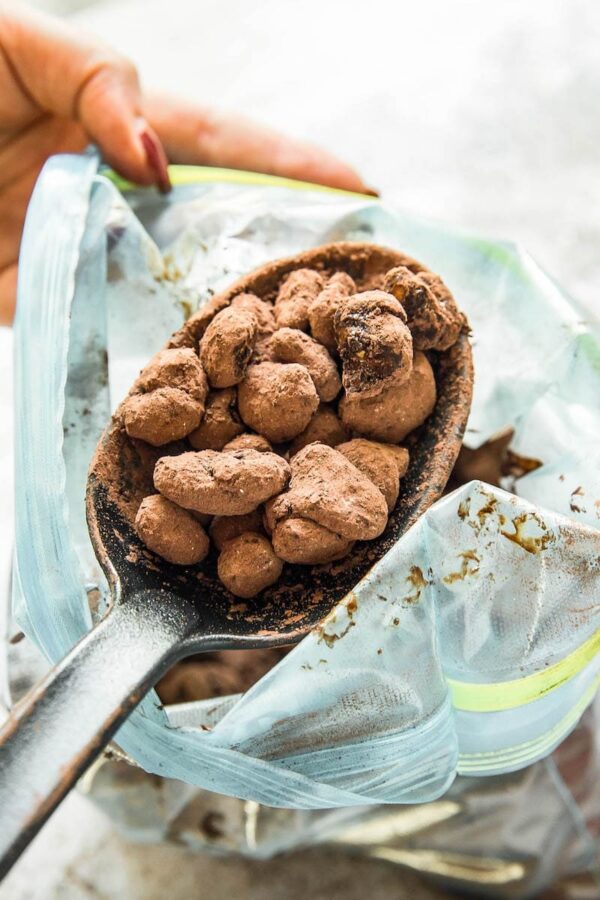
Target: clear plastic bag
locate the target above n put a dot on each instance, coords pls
(472, 646)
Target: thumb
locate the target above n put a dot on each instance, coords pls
(58, 70)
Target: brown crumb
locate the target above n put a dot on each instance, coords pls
(247, 565)
(277, 400)
(374, 342)
(396, 411)
(171, 531)
(227, 346)
(221, 484)
(161, 416)
(221, 422)
(295, 297)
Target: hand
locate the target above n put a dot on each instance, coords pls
(60, 90)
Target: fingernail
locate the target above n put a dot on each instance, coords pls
(155, 155)
(371, 192)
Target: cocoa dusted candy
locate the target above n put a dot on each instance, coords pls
(168, 399)
(295, 297)
(221, 422)
(374, 342)
(221, 484)
(223, 528)
(247, 565)
(433, 316)
(289, 345)
(171, 531)
(277, 400)
(326, 488)
(324, 428)
(177, 368)
(322, 309)
(376, 462)
(304, 542)
(261, 310)
(227, 346)
(249, 441)
(396, 411)
(161, 416)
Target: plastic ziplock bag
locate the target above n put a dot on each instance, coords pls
(472, 646)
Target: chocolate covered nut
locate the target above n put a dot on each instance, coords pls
(227, 346)
(223, 528)
(277, 400)
(289, 345)
(220, 424)
(324, 428)
(374, 342)
(262, 311)
(177, 368)
(221, 484)
(395, 411)
(247, 565)
(249, 441)
(161, 416)
(433, 316)
(377, 463)
(326, 488)
(171, 531)
(305, 542)
(295, 297)
(322, 309)
(400, 456)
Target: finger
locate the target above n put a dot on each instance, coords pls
(8, 293)
(61, 71)
(193, 134)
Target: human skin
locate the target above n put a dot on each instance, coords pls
(61, 89)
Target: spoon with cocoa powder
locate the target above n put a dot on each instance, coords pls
(281, 429)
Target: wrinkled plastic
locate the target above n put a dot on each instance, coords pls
(472, 646)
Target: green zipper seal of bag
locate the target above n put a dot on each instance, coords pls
(184, 175)
(509, 694)
(522, 754)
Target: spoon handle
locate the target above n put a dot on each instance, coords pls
(64, 722)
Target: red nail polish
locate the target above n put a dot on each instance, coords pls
(156, 161)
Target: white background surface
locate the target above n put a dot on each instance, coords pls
(483, 115)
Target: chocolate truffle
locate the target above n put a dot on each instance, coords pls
(396, 411)
(277, 400)
(221, 484)
(227, 346)
(374, 342)
(247, 565)
(171, 531)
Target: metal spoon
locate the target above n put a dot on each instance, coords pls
(160, 613)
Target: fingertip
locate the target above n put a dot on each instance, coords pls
(156, 159)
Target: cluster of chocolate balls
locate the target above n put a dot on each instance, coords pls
(292, 412)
